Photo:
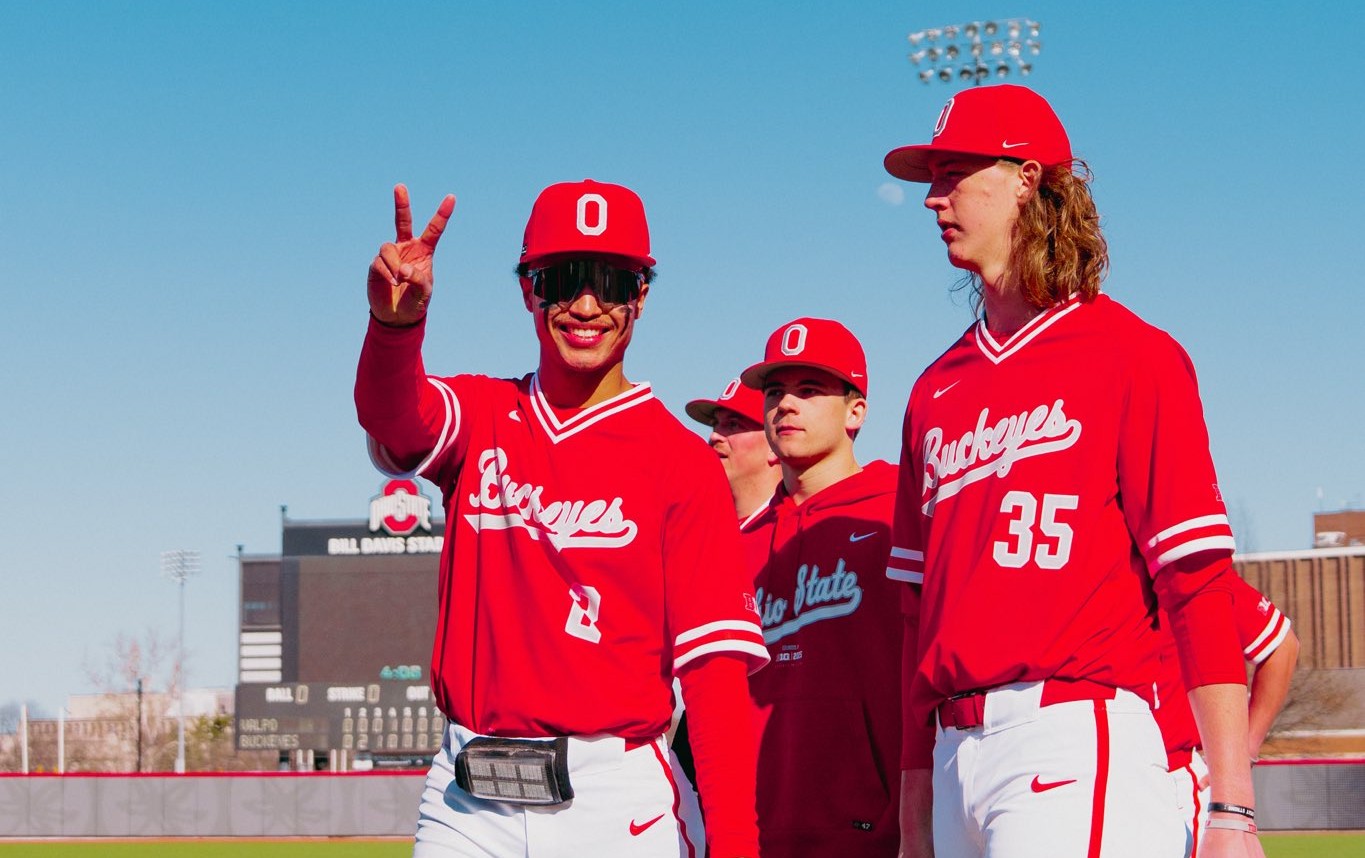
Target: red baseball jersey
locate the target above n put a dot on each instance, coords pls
(1261, 628)
(829, 702)
(589, 556)
(1048, 481)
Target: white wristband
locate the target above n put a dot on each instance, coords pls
(1232, 824)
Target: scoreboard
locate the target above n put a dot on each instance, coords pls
(380, 717)
(336, 633)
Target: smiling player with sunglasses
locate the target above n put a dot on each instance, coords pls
(590, 557)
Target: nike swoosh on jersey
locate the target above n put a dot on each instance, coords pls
(1040, 786)
(514, 415)
(637, 830)
(942, 390)
(859, 537)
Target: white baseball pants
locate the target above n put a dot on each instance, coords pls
(1081, 779)
(634, 802)
(1192, 802)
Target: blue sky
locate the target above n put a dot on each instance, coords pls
(190, 195)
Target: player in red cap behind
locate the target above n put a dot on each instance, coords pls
(590, 557)
(736, 421)
(1056, 482)
(829, 703)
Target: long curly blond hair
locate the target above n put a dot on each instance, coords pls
(1057, 248)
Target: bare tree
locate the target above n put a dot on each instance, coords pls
(1318, 700)
(136, 734)
(210, 745)
(209, 741)
(10, 714)
(118, 730)
(11, 750)
(1243, 526)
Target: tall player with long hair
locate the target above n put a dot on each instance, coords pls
(1056, 485)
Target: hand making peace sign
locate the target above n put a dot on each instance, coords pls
(400, 279)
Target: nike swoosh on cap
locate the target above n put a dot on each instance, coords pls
(1005, 144)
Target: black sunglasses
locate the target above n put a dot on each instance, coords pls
(562, 282)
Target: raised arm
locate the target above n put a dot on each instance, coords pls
(400, 281)
(404, 418)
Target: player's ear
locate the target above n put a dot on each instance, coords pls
(640, 302)
(856, 414)
(1030, 178)
(528, 297)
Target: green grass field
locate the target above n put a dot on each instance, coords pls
(1350, 844)
(1333, 844)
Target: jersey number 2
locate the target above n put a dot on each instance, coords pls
(1053, 537)
(583, 614)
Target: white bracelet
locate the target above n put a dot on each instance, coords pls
(1232, 825)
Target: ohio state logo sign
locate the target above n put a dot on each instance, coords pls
(400, 508)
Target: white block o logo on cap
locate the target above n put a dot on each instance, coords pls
(730, 389)
(599, 224)
(794, 340)
(942, 124)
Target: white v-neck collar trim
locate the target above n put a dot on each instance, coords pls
(996, 351)
(559, 429)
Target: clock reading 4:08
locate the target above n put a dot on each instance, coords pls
(402, 671)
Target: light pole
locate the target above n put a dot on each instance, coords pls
(179, 566)
(974, 51)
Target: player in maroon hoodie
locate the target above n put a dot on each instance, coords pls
(829, 702)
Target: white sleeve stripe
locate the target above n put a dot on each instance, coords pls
(743, 626)
(1270, 637)
(1192, 524)
(380, 458)
(384, 463)
(1271, 623)
(452, 424)
(1272, 645)
(758, 651)
(907, 554)
(907, 577)
(1194, 546)
(383, 460)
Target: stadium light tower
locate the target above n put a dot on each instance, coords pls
(179, 566)
(976, 51)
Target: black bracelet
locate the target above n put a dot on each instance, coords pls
(1224, 807)
(385, 324)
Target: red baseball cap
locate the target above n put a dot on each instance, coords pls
(1002, 121)
(821, 343)
(744, 401)
(586, 218)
